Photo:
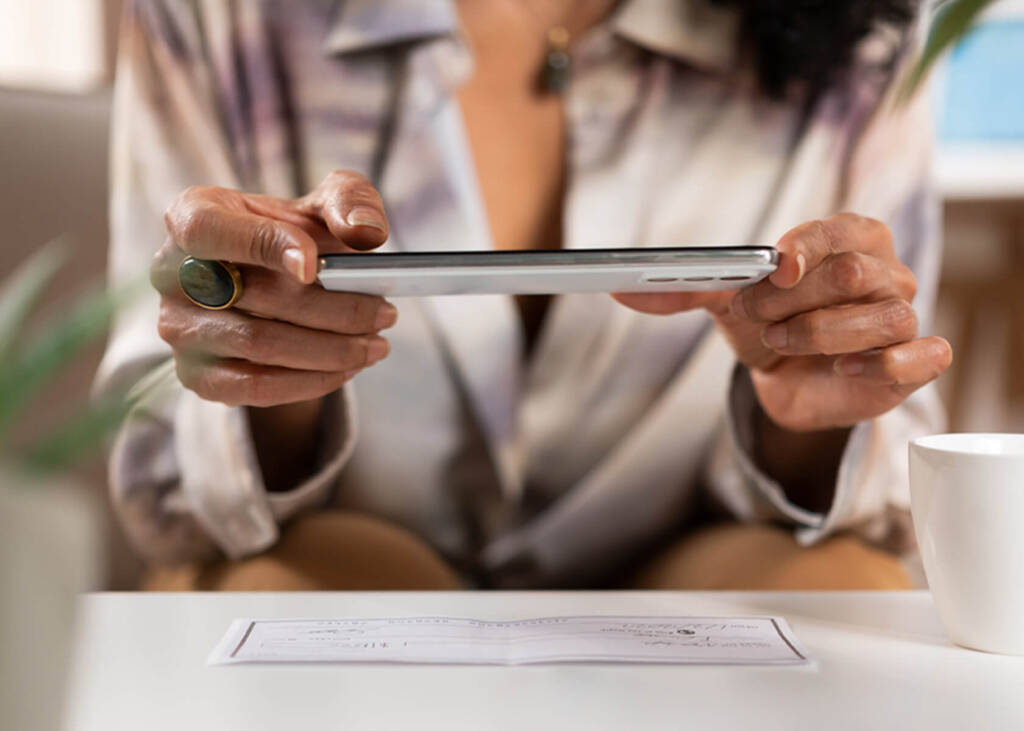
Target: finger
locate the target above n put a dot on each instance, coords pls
(208, 230)
(241, 383)
(914, 363)
(287, 210)
(229, 334)
(805, 247)
(351, 208)
(841, 278)
(163, 270)
(269, 295)
(667, 303)
(745, 338)
(844, 329)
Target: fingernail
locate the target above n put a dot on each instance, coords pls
(295, 262)
(775, 336)
(801, 266)
(851, 366)
(738, 308)
(365, 216)
(387, 316)
(376, 350)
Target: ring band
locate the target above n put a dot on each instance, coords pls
(210, 284)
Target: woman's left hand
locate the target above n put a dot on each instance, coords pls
(830, 337)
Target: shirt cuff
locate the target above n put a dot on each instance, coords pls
(336, 435)
(221, 477)
(871, 492)
(742, 415)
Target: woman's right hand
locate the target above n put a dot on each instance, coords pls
(286, 340)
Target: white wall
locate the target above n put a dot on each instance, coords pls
(52, 44)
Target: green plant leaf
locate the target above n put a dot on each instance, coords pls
(87, 430)
(40, 360)
(953, 20)
(23, 289)
(78, 436)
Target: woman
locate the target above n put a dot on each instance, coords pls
(332, 440)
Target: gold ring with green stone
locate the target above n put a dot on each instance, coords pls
(210, 284)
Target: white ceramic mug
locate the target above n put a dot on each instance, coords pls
(967, 499)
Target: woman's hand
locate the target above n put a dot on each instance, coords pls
(286, 340)
(830, 337)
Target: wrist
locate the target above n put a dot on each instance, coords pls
(286, 439)
(804, 464)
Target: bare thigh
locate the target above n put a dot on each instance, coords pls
(765, 558)
(331, 551)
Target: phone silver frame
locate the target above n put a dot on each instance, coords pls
(548, 272)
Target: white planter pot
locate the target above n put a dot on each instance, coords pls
(50, 552)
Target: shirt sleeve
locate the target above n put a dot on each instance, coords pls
(185, 478)
(888, 178)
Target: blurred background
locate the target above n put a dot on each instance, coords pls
(57, 62)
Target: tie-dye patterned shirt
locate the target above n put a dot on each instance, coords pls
(553, 470)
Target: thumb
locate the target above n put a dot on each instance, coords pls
(667, 303)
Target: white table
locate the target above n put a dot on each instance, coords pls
(883, 663)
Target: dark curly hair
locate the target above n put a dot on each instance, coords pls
(806, 44)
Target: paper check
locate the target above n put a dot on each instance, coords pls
(605, 639)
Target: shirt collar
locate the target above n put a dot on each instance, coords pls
(361, 25)
(695, 31)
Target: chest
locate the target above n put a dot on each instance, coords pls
(515, 132)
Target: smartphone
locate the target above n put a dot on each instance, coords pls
(548, 272)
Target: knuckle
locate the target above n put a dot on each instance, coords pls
(844, 219)
(162, 269)
(166, 330)
(361, 352)
(268, 293)
(328, 382)
(876, 230)
(352, 188)
(344, 178)
(249, 342)
(195, 379)
(207, 386)
(848, 218)
(174, 211)
(195, 193)
(863, 227)
(318, 305)
(755, 303)
(812, 329)
(183, 209)
(890, 365)
(852, 274)
(184, 373)
(251, 389)
(189, 223)
(342, 174)
(906, 282)
(363, 313)
(257, 390)
(899, 319)
(264, 242)
(209, 382)
(826, 232)
(168, 326)
(228, 389)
